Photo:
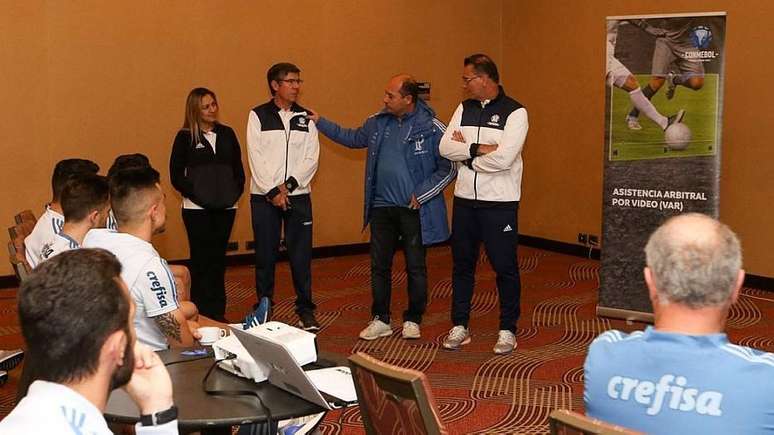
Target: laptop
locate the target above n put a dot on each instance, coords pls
(283, 370)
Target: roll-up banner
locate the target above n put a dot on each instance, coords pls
(663, 113)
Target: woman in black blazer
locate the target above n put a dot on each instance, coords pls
(206, 168)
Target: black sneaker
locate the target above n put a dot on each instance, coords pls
(10, 358)
(671, 85)
(308, 322)
(676, 118)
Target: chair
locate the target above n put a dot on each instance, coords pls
(25, 216)
(564, 422)
(16, 251)
(393, 399)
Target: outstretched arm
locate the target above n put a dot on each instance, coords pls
(349, 137)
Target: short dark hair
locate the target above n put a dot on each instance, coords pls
(68, 307)
(128, 161)
(483, 64)
(278, 72)
(66, 169)
(84, 194)
(126, 189)
(410, 87)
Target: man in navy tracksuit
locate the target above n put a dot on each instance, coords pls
(405, 178)
(283, 151)
(485, 138)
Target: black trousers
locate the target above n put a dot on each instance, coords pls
(268, 221)
(388, 226)
(497, 228)
(208, 232)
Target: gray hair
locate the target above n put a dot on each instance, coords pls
(694, 260)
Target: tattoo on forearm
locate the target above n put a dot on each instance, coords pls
(169, 326)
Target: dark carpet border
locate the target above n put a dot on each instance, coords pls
(753, 281)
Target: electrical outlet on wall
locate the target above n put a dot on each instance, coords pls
(583, 238)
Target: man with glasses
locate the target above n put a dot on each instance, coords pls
(485, 137)
(283, 151)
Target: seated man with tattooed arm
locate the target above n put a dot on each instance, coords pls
(161, 319)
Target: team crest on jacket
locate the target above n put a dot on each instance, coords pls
(494, 120)
(418, 146)
(302, 121)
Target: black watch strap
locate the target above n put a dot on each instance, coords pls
(160, 417)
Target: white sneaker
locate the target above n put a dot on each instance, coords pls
(411, 330)
(458, 336)
(506, 342)
(375, 329)
(633, 123)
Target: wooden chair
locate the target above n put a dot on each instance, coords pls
(25, 216)
(393, 399)
(16, 251)
(564, 422)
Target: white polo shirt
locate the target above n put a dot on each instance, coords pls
(110, 222)
(148, 277)
(60, 243)
(48, 225)
(50, 408)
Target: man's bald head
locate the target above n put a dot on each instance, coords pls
(694, 261)
(407, 86)
(400, 94)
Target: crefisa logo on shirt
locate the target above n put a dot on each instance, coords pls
(494, 120)
(670, 391)
(158, 289)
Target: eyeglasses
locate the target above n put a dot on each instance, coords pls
(291, 82)
(467, 80)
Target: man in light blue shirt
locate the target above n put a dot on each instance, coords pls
(682, 375)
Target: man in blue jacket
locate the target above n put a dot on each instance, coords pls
(405, 178)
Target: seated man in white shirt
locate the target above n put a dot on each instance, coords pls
(85, 202)
(75, 315)
(139, 160)
(51, 221)
(122, 162)
(161, 320)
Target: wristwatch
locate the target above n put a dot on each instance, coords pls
(160, 417)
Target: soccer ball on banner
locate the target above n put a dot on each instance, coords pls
(677, 136)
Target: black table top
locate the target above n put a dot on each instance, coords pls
(198, 409)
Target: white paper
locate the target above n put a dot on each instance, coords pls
(336, 381)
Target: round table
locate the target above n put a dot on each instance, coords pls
(198, 410)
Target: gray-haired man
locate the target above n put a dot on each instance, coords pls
(682, 375)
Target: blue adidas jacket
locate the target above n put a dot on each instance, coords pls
(431, 172)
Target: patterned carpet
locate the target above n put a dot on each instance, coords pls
(476, 391)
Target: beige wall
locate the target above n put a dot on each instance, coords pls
(554, 64)
(97, 79)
